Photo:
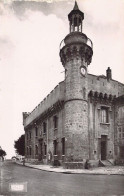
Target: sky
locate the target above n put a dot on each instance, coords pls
(30, 67)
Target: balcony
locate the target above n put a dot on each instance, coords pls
(76, 37)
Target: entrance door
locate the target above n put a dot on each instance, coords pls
(41, 150)
(103, 147)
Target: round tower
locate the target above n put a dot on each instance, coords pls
(76, 55)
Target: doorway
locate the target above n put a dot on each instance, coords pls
(103, 147)
(40, 150)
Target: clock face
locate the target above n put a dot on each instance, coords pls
(83, 71)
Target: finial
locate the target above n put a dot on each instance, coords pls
(76, 6)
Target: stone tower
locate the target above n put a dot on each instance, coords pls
(76, 55)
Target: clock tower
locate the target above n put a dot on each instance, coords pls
(76, 54)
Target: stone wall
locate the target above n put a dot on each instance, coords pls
(119, 129)
(99, 129)
(76, 130)
(101, 84)
(45, 138)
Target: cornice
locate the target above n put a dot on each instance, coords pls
(47, 113)
(99, 97)
(76, 50)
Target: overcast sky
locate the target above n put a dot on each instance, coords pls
(30, 67)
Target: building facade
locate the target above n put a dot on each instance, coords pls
(83, 117)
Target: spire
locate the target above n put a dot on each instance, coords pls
(75, 18)
(76, 6)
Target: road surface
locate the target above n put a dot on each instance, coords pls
(43, 183)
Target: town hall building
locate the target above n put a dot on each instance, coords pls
(82, 119)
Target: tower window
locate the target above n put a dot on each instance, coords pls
(55, 120)
(104, 115)
(63, 146)
(44, 127)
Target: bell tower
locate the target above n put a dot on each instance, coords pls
(76, 54)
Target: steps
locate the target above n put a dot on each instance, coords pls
(105, 163)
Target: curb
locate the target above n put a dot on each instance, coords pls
(69, 172)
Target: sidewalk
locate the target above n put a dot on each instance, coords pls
(112, 170)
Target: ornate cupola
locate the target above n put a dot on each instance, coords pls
(76, 42)
(76, 17)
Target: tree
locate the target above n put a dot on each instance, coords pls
(2, 152)
(20, 145)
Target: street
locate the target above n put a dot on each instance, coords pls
(43, 183)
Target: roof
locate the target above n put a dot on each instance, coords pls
(76, 6)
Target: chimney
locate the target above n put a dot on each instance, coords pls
(25, 115)
(108, 74)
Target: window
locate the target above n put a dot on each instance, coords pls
(30, 135)
(121, 133)
(122, 152)
(27, 151)
(36, 149)
(30, 150)
(55, 147)
(44, 127)
(55, 120)
(104, 115)
(45, 149)
(36, 131)
(63, 146)
(27, 136)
